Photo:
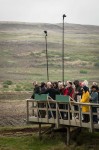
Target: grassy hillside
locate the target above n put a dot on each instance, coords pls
(22, 52)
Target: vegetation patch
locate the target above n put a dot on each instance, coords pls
(96, 64)
(8, 82)
(18, 88)
(83, 71)
(55, 141)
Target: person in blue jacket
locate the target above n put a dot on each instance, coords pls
(94, 99)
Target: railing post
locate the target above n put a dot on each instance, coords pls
(47, 111)
(80, 116)
(37, 113)
(33, 108)
(91, 119)
(69, 114)
(57, 116)
(27, 111)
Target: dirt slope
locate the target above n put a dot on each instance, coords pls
(12, 112)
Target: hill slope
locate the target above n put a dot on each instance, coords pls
(22, 51)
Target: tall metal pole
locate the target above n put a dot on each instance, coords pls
(46, 55)
(63, 50)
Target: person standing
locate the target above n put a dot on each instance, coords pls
(52, 92)
(94, 99)
(85, 99)
(36, 89)
(77, 96)
(69, 91)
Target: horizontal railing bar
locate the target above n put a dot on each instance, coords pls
(71, 102)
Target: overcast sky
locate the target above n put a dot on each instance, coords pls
(50, 11)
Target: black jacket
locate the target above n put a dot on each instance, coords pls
(52, 92)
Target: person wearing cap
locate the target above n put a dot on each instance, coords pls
(94, 99)
(85, 99)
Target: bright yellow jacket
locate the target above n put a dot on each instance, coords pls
(85, 99)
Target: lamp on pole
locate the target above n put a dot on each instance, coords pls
(46, 55)
(63, 50)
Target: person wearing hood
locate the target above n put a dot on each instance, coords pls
(85, 99)
(94, 99)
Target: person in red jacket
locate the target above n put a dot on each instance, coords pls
(69, 89)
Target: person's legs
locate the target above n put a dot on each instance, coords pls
(85, 118)
(95, 118)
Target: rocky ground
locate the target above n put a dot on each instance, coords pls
(12, 113)
(13, 119)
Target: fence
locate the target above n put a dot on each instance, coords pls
(42, 109)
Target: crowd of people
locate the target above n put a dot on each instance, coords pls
(78, 91)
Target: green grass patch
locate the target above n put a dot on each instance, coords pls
(82, 141)
(8, 82)
(29, 143)
(18, 88)
(83, 71)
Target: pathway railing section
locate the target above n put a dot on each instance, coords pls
(61, 111)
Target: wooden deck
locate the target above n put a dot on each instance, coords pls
(36, 108)
(38, 111)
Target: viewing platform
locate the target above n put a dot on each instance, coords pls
(60, 113)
